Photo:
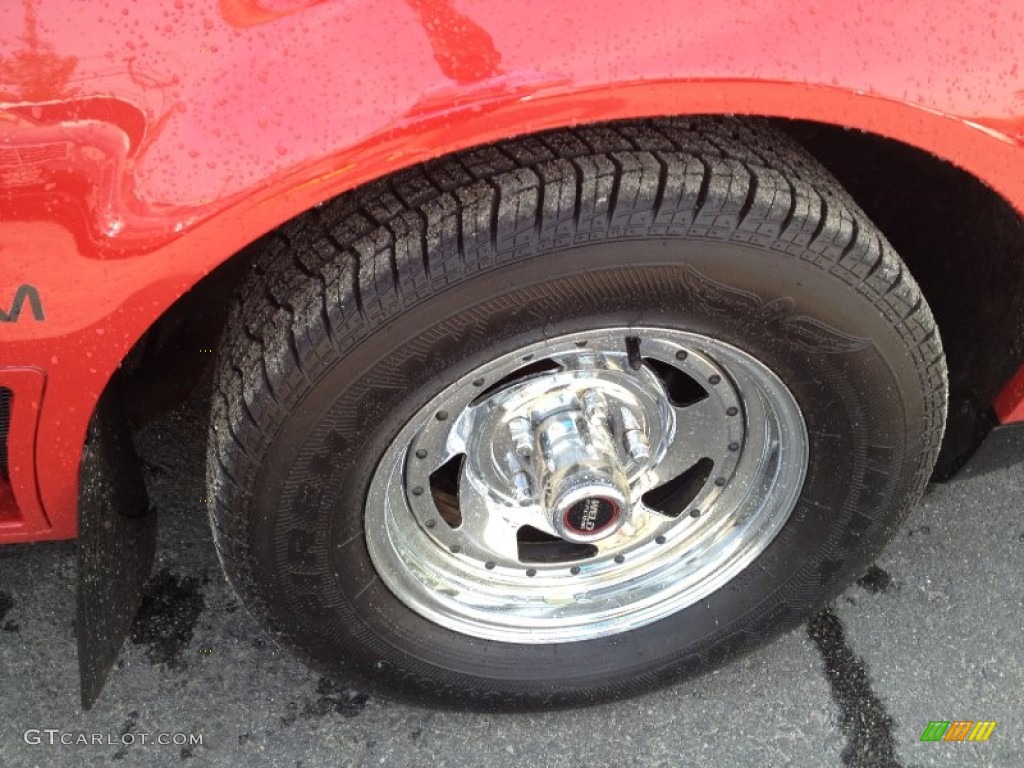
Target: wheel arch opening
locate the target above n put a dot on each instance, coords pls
(963, 243)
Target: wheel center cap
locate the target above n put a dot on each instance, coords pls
(591, 516)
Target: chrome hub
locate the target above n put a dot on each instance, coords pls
(586, 485)
(574, 440)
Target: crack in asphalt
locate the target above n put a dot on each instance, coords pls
(870, 742)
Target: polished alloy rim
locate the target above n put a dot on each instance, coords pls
(586, 485)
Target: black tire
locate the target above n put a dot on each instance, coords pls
(360, 311)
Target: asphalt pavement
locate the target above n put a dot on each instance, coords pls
(932, 632)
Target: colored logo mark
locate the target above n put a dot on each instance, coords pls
(958, 730)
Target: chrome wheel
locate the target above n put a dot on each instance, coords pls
(586, 485)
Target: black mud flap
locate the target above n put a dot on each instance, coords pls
(116, 541)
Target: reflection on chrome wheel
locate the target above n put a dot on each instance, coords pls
(586, 485)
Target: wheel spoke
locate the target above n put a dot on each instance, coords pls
(700, 434)
(642, 521)
(488, 530)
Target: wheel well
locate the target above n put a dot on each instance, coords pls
(171, 357)
(964, 245)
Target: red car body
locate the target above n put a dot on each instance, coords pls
(144, 144)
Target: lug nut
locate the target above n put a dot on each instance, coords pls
(522, 437)
(595, 408)
(634, 437)
(521, 487)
